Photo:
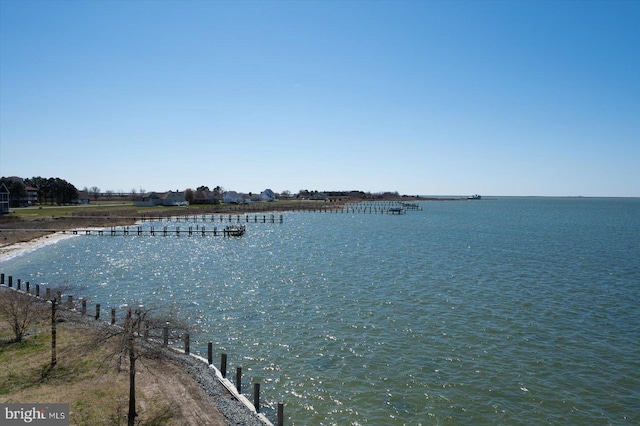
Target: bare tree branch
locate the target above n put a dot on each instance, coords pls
(21, 312)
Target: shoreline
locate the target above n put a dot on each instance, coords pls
(227, 402)
(195, 389)
(20, 239)
(13, 250)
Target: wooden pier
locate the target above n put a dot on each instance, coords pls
(203, 225)
(381, 207)
(123, 231)
(230, 218)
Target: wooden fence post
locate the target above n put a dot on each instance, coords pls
(223, 364)
(10, 281)
(54, 356)
(165, 336)
(280, 414)
(239, 379)
(19, 282)
(113, 316)
(84, 307)
(37, 290)
(1, 279)
(186, 344)
(97, 310)
(210, 352)
(256, 396)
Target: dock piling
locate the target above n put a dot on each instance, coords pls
(256, 396)
(280, 421)
(223, 364)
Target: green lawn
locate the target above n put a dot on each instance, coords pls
(48, 212)
(127, 208)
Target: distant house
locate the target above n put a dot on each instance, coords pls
(232, 197)
(149, 199)
(32, 195)
(318, 196)
(4, 199)
(170, 198)
(174, 199)
(267, 195)
(204, 197)
(83, 198)
(16, 179)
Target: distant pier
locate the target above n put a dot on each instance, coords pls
(123, 231)
(202, 225)
(237, 218)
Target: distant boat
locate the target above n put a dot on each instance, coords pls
(235, 230)
(474, 197)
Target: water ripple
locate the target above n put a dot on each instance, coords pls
(509, 311)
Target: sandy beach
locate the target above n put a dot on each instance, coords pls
(23, 236)
(9, 251)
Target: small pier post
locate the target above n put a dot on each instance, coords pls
(280, 421)
(256, 396)
(223, 364)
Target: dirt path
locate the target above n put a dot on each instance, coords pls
(190, 404)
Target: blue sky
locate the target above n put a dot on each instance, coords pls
(419, 97)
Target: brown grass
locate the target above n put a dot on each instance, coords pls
(88, 379)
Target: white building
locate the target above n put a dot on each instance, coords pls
(267, 195)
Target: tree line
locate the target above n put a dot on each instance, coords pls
(50, 190)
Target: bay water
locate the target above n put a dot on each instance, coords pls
(509, 310)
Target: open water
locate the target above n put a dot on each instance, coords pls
(499, 311)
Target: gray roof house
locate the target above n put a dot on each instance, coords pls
(268, 195)
(231, 197)
(170, 198)
(149, 199)
(174, 199)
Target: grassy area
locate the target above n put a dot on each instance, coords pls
(128, 209)
(86, 376)
(52, 212)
